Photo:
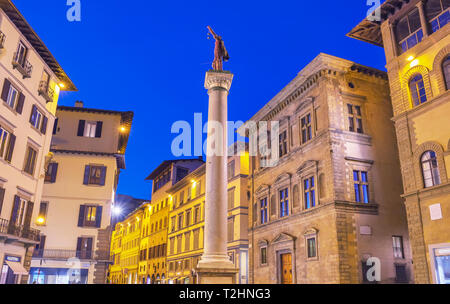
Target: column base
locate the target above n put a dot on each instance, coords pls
(216, 270)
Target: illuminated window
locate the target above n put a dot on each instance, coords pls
(354, 118)
(309, 189)
(408, 30)
(90, 129)
(430, 169)
(306, 128)
(263, 211)
(263, 255)
(397, 245)
(361, 185)
(417, 89)
(13, 95)
(284, 203)
(437, 13)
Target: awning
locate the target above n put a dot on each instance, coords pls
(17, 268)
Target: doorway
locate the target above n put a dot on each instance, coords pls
(286, 268)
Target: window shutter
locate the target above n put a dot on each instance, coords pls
(33, 113)
(87, 169)
(5, 91)
(12, 143)
(103, 177)
(20, 102)
(54, 172)
(79, 241)
(44, 125)
(89, 248)
(2, 197)
(81, 125)
(81, 216)
(98, 217)
(15, 209)
(98, 129)
(29, 213)
(55, 126)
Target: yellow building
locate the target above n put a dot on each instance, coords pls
(129, 256)
(115, 271)
(416, 40)
(30, 82)
(186, 225)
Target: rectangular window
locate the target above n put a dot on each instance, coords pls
(50, 173)
(188, 218)
(187, 241)
(408, 30)
(173, 225)
(309, 190)
(263, 211)
(230, 229)
(311, 247)
(30, 161)
(189, 193)
(37, 118)
(172, 246)
(13, 96)
(283, 143)
(21, 54)
(306, 128)
(397, 245)
(437, 13)
(263, 255)
(179, 241)
(231, 194)
(20, 211)
(181, 198)
(180, 221)
(231, 169)
(5, 139)
(354, 118)
(181, 173)
(90, 129)
(284, 203)
(197, 214)
(361, 184)
(96, 175)
(84, 248)
(90, 216)
(196, 239)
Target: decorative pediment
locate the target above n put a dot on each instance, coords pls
(283, 177)
(263, 243)
(262, 189)
(283, 237)
(311, 231)
(307, 165)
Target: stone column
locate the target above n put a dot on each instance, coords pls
(215, 266)
(423, 19)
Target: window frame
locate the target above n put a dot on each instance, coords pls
(355, 118)
(433, 169)
(12, 103)
(307, 247)
(4, 142)
(283, 202)
(309, 192)
(263, 210)
(263, 258)
(358, 185)
(89, 128)
(30, 164)
(398, 250)
(306, 129)
(415, 88)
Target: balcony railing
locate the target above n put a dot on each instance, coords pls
(62, 254)
(16, 231)
(2, 40)
(22, 65)
(45, 91)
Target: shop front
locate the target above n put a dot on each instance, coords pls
(12, 270)
(58, 276)
(440, 263)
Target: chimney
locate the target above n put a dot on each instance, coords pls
(79, 104)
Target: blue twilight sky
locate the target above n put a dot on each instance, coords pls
(150, 57)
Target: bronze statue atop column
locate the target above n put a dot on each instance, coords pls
(220, 52)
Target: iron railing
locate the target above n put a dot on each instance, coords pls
(22, 65)
(45, 91)
(2, 40)
(62, 254)
(19, 231)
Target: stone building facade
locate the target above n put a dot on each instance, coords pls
(332, 202)
(30, 83)
(416, 40)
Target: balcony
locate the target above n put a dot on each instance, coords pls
(12, 232)
(62, 254)
(45, 91)
(22, 65)
(2, 40)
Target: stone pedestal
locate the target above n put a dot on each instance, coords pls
(215, 266)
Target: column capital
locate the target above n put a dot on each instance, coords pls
(218, 79)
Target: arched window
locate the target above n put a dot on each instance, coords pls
(446, 71)
(417, 89)
(430, 169)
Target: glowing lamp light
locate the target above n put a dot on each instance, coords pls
(414, 63)
(123, 129)
(116, 210)
(410, 58)
(194, 183)
(61, 85)
(40, 220)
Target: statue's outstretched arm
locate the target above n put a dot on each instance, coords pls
(212, 32)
